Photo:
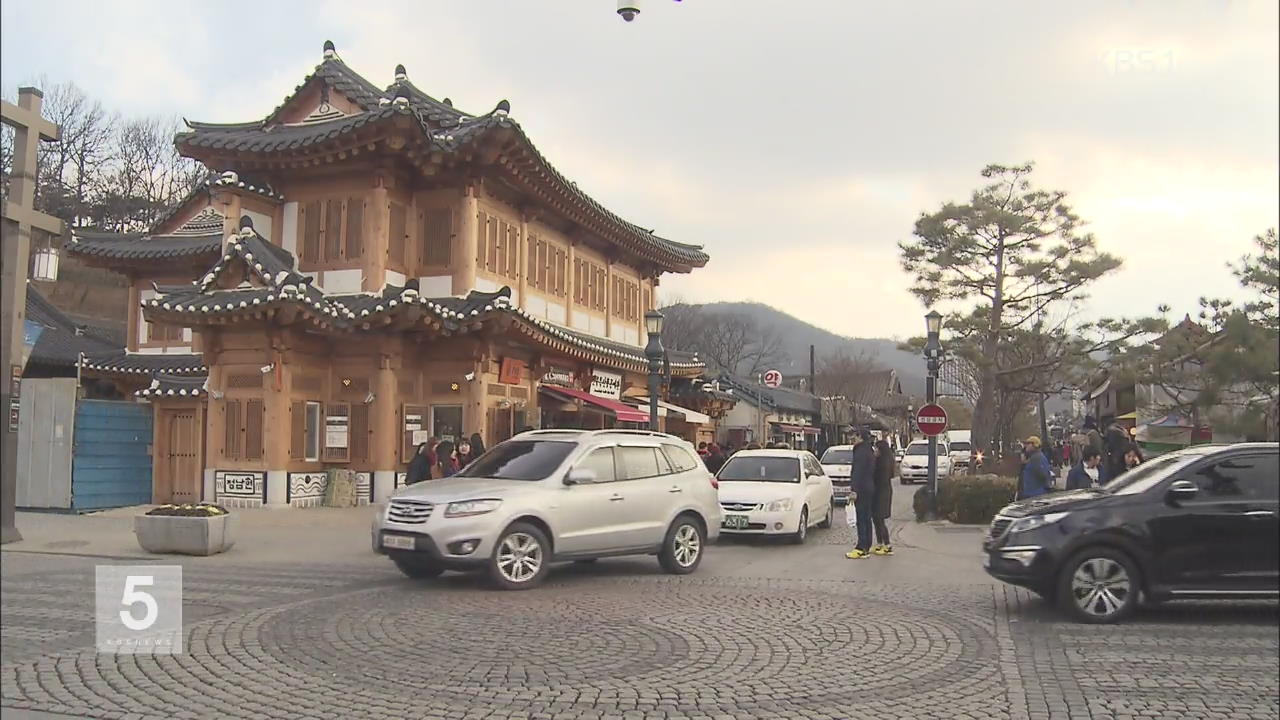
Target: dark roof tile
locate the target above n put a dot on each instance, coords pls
(61, 341)
(127, 363)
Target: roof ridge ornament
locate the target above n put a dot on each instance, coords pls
(401, 75)
(503, 109)
(330, 51)
(402, 96)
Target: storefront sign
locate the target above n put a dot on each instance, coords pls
(511, 372)
(421, 436)
(606, 385)
(239, 484)
(412, 423)
(335, 435)
(560, 377)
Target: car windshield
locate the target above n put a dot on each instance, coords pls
(960, 446)
(761, 469)
(519, 460)
(918, 449)
(837, 457)
(1148, 474)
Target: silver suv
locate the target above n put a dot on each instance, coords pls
(554, 495)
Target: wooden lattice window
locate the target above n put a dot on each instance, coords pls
(332, 231)
(548, 266)
(336, 433)
(499, 247)
(624, 301)
(232, 445)
(298, 430)
(254, 429)
(360, 432)
(244, 380)
(397, 235)
(437, 237)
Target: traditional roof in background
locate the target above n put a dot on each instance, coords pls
(446, 134)
(781, 398)
(166, 385)
(121, 362)
(227, 179)
(62, 340)
(199, 237)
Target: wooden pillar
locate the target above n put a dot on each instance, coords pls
(377, 224)
(384, 421)
(522, 268)
(228, 203)
(571, 285)
(464, 263)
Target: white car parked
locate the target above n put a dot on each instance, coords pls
(775, 492)
(915, 463)
(837, 463)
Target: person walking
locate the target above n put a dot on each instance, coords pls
(420, 465)
(1116, 443)
(863, 486)
(884, 498)
(715, 458)
(1036, 473)
(446, 460)
(1079, 478)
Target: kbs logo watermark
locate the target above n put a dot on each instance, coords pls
(139, 609)
(1127, 61)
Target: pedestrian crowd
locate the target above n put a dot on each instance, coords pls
(1095, 457)
(436, 459)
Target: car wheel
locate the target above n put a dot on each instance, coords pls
(417, 568)
(1098, 585)
(520, 558)
(802, 532)
(831, 514)
(682, 549)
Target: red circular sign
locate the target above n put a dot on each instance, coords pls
(932, 420)
(772, 378)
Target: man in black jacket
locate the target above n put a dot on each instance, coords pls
(863, 484)
(884, 497)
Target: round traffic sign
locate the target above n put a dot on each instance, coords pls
(773, 378)
(932, 420)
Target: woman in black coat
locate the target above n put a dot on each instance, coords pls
(419, 466)
(884, 497)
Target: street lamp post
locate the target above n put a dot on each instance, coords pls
(653, 351)
(932, 353)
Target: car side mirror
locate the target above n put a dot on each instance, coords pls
(1181, 491)
(580, 476)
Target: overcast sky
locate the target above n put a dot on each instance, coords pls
(796, 140)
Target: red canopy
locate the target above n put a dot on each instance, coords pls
(624, 413)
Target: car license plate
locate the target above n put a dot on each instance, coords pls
(399, 542)
(842, 490)
(735, 522)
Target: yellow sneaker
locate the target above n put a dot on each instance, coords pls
(856, 554)
(882, 550)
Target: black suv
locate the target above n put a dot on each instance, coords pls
(1196, 523)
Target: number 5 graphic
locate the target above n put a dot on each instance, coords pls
(133, 596)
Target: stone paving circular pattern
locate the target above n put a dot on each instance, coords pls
(721, 647)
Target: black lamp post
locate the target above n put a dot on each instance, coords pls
(932, 355)
(653, 352)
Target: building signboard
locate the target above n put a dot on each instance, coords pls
(606, 384)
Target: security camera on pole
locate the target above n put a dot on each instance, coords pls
(932, 418)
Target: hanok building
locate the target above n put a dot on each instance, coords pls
(368, 267)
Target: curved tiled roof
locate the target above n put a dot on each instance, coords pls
(253, 137)
(122, 362)
(201, 235)
(61, 340)
(168, 385)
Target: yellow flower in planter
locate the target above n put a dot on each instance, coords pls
(213, 511)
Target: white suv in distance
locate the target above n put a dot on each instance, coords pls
(553, 495)
(915, 462)
(775, 492)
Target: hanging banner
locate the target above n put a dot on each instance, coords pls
(560, 377)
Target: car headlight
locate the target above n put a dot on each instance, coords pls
(779, 505)
(467, 508)
(1035, 521)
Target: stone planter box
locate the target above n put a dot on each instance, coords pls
(185, 535)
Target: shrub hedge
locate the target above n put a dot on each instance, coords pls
(968, 499)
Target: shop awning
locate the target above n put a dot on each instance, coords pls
(690, 416)
(624, 413)
(1129, 416)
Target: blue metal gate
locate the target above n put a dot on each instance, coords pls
(111, 466)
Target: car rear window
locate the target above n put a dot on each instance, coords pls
(519, 460)
(761, 469)
(960, 445)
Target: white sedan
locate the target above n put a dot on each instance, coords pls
(774, 492)
(915, 462)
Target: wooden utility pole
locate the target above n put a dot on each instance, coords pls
(20, 220)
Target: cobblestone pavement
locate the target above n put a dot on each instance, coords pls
(618, 640)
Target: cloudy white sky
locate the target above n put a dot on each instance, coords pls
(796, 140)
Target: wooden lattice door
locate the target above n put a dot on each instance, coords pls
(181, 463)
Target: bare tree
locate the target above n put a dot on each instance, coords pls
(728, 341)
(845, 374)
(146, 177)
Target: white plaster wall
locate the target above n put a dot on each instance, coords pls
(186, 334)
(277, 484)
(484, 285)
(556, 312)
(597, 326)
(632, 336)
(208, 487)
(394, 278)
(144, 296)
(581, 321)
(343, 281)
(617, 333)
(261, 223)
(535, 306)
(289, 233)
(435, 285)
(384, 483)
